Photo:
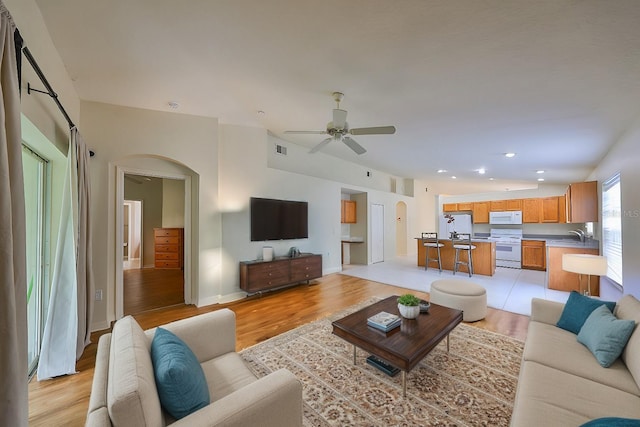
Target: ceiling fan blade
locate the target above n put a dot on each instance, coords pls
(307, 132)
(359, 149)
(379, 130)
(322, 144)
(339, 118)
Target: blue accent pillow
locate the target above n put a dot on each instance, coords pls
(612, 422)
(577, 309)
(182, 386)
(605, 335)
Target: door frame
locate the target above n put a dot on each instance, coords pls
(188, 274)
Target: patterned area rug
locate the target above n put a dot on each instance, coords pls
(473, 384)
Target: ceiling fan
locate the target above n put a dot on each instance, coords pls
(338, 130)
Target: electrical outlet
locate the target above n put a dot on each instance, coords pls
(99, 295)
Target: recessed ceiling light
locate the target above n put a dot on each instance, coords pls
(540, 171)
(509, 155)
(260, 113)
(482, 171)
(442, 170)
(491, 179)
(540, 179)
(454, 177)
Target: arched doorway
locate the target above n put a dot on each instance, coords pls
(401, 229)
(155, 169)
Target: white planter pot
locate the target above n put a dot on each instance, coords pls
(409, 312)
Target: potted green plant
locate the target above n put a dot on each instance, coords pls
(409, 306)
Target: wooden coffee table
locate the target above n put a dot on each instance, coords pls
(403, 346)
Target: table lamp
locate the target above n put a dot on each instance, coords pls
(585, 264)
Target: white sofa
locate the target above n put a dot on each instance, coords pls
(124, 390)
(562, 384)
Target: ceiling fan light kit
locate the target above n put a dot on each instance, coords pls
(338, 129)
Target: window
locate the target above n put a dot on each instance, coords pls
(36, 215)
(612, 227)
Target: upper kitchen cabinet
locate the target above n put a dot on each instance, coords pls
(348, 212)
(481, 212)
(582, 202)
(506, 205)
(514, 204)
(551, 208)
(465, 206)
(449, 207)
(531, 211)
(457, 207)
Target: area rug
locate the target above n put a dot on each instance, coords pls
(473, 384)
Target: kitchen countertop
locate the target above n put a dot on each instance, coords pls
(564, 241)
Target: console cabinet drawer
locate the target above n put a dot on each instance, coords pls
(306, 268)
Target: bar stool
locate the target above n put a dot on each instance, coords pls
(430, 241)
(462, 242)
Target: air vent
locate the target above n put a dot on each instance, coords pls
(281, 149)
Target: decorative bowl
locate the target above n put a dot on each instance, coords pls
(409, 311)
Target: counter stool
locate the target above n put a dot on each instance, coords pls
(460, 294)
(462, 242)
(430, 242)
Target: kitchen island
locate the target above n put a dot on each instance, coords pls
(484, 256)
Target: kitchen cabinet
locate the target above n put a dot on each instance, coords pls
(457, 207)
(567, 281)
(259, 276)
(480, 212)
(514, 205)
(562, 202)
(168, 247)
(498, 205)
(582, 202)
(348, 212)
(531, 211)
(534, 254)
(550, 209)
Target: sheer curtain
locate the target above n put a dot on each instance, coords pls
(13, 285)
(67, 331)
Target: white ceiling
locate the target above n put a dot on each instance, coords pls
(463, 81)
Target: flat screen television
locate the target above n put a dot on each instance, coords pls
(273, 219)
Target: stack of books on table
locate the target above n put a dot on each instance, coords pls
(384, 321)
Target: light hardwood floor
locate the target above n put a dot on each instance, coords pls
(63, 401)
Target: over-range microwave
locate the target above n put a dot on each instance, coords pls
(506, 217)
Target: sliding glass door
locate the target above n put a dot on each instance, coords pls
(35, 188)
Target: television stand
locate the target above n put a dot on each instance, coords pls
(257, 276)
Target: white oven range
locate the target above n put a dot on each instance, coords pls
(508, 247)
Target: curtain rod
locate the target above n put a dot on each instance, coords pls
(49, 91)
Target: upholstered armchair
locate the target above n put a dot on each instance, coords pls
(124, 391)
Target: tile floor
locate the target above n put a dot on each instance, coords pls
(509, 289)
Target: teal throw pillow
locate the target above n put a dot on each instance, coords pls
(612, 422)
(605, 335)
(577, 309)
(182, 386)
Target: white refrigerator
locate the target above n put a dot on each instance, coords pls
(461, 224)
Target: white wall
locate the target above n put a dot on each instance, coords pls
(246, 171)
(624, 157)
(172, 203)
(146, 139)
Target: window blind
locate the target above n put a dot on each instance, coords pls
(612, 227)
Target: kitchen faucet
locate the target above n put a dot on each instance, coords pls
(578, 233)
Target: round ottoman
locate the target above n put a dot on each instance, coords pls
(463, 295)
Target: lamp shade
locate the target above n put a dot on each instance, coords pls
(593, 265)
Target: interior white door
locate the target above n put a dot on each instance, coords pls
(377, 233)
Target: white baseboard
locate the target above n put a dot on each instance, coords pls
(100, 326)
